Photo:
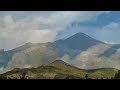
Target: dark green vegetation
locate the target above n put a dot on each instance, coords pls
(117, 75)
(61, 70)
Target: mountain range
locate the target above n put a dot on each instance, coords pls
(34, 55)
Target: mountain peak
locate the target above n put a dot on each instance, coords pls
(75, 44)
(80, 35)
(79, 41)
(58, 62)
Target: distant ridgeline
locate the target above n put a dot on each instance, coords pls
(75, 44)
(7, 55)
(48, 52)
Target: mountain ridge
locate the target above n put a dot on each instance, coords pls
(71, 46)
(75, 44)
(52, 72)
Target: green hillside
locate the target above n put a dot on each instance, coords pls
(104, 73)
(59, 70)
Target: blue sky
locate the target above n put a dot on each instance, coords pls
(92, 26)
(103, 19)
(20, 27)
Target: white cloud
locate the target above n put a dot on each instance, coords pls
(90, 59)
(109, 33)
(110, 42)
(33, 57)
(65, 18)
(14, 33)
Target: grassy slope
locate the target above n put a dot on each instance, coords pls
(103, 73)
(59, 70)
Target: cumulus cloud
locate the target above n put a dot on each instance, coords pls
(88, 59)
(65, 18)
(37, 55)
(34, 27)
(13, 34)
(33, 57)
(38, 27)
(108, 33)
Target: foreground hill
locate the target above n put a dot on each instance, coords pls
(59, 70)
